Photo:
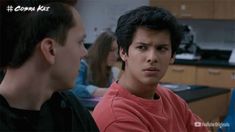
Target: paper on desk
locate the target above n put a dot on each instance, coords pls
(176, 87)
(232, 57)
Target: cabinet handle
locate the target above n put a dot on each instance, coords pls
(178, 69)
(185, 15)
(182, 7)
(213, 72)
(184, 12)
(233, 76)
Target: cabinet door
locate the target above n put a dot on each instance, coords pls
(197, 9)
(216, 77)
(180, 74)
(224, 9)
(171, 5)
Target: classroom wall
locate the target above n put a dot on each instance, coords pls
(98, 15)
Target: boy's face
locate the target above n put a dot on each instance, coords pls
(148, 56)
(68, 56)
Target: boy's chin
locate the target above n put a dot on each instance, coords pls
(151, 82)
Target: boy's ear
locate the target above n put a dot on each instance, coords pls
(48, 49)
(172, 60)
(122, 54)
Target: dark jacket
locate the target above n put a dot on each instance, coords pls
(62, 112)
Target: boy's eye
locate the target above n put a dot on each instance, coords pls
(162, 49)
(142, 47)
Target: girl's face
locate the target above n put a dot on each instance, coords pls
(112, 56)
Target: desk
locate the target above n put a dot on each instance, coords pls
(208, 103)
(90, 103)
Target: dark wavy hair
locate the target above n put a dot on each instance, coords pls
(149, 17)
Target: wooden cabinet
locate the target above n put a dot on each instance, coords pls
(216, 77)
(224, 9)
(214, 108)
(171, 5)
(196, 75)
(199, 9)
(180, 74)
(196, 9)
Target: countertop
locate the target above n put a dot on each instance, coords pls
(200, 92)
(211, 63)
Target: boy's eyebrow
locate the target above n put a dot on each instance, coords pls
(144, 43)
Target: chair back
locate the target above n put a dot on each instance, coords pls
(228, 125)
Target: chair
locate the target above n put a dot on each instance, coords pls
(229, 121)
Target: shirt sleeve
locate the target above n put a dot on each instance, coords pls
(82, 88)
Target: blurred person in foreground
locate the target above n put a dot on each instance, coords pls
(41, 52)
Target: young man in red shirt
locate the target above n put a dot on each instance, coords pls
(147, 38)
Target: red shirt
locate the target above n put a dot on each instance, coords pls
(121, 111)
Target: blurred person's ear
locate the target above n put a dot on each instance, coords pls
(48, 49)
(172, 60)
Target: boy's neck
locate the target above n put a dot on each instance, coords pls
(137, 88)
(25, 89)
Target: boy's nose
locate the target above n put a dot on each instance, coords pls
(152, 56)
